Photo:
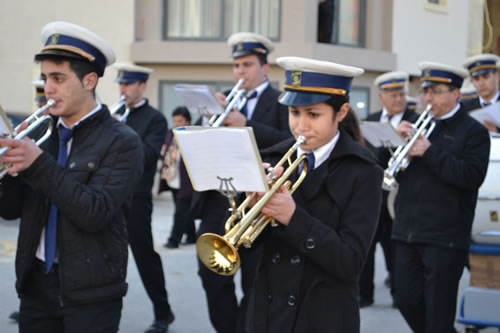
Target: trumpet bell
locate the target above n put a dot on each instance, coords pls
(218, 254)
(389, 183)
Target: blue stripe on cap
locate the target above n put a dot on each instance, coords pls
(318, 82)
(250, 46)
(392, 84)
(436, 75)
(63, 40)
(482, 67)
(130, 77)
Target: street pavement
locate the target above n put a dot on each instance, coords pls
(185, 292)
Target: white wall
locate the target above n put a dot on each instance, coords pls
(423, 35)
(22, 22)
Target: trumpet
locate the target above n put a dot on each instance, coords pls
(33, 121)
(117, 106)
(220, 253)
(400, 160)
(235, 99)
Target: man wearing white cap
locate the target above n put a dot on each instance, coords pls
(70, 194)
(393, 87)
(269, 121)
(485, 77)
(151, 126)
(435, 204)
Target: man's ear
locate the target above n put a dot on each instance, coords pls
(89, 81)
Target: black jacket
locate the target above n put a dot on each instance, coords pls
(307, 280)
(438, 192)
(474, 104)
(151, 126)
(90, 194)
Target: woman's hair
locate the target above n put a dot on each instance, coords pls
(182, 111)
(350, 123)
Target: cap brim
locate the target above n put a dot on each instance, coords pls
(483, 71)
(294, 98)
(64, 54)
(126, 80)
(426, 84)
(243, 53)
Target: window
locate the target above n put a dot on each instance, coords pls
(359, 99)
(218, 19)
(341, 22)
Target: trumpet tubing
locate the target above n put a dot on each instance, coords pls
(235, 99)
(220, 253)
(400, 159)
(33, 121)
(117, 107)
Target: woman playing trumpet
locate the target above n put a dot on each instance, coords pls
(307, 279)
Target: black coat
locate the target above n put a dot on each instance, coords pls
(151, 126)
(474, 104)
(307, 280)
(91, 194)
(438, 192)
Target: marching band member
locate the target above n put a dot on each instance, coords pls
(307, 278)
(392, 87)
(435, 204)
(485, 78)
(269, 121)
(71, 194)
(151, 126)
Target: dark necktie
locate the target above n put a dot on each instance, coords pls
(310, 163)
(485, 104)
(244, 110)
(388, 117)
(51, 228)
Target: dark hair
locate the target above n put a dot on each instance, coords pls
(350, 123)
(80, 67)
(182, 111)
(262, 59)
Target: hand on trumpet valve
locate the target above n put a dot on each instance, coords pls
(420, 147)
(235, 119)
(221, 99)
(21, 155)
(405, 129)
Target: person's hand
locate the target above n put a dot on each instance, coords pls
(221, 99)
(21, 155)
(235, 119)
(405, 128)
(420, 147)
(490, 126)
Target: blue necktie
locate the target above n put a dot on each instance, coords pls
(310, 163)
(244, 109)
(485, 104)
(51, 228)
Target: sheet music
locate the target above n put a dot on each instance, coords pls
(5, 125)
(381, 134)
(490, 113)
(223, 152)
(198, 98)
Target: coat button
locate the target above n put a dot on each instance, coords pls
(292, 300)
(269, 298)
(91, 165)
(295, 260)
(310, 244)
(276, 258)
(72, 165)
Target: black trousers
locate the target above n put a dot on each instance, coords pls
(427, 278)
(147, 259)
(41, 310)
(382, 236)
(183, 221)
(225, 314)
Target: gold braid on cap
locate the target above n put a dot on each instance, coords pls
(71, 49)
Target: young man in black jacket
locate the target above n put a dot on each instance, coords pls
(435, 204)
(71, 193)
(151, 126)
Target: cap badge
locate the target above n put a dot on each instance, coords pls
(427, 72)
(239, 47)
(54, 38)
(296, 78)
